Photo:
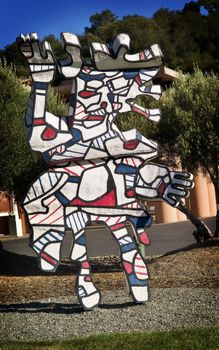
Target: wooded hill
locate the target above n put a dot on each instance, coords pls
(187, 38)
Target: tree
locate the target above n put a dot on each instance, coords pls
(187, 38)
(212, 6)
(212, 29)
(12, 56)
(190, 124)
(192, 6)
(19, 166)
(99, 19)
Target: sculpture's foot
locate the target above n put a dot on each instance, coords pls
(47, 244)
(137, 276)
(49, 257)
(140, 225)
(88, 295)
(143, 237)
(79, 252)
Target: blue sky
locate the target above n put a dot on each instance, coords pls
(52, 17)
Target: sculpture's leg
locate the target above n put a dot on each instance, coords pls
(88, 295)
(47, 244)
(46, 216)
(132, 262)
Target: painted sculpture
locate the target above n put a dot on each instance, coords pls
(95, 171)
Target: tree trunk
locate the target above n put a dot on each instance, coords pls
(215, 181)
(216, 233)
(203, 232)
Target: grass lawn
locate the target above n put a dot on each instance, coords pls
(186, 339)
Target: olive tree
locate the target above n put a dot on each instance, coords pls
(18, 164)
(190, 124)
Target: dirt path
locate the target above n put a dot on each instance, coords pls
(20, 280)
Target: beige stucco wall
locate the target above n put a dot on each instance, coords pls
(202, 199)
(212, 199)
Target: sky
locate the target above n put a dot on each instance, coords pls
(53, 17)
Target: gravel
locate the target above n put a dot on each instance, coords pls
(62, 318)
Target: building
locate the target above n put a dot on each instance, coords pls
(12, 217)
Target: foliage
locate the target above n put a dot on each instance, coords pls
(55, 44)
(190, 122)
(132, 120)
(55, 103)
(189, 339)
(13, 56)
(190, 117)
(18, 164)
(105, 18)
(212, 6)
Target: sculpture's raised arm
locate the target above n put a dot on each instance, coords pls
(44, 130)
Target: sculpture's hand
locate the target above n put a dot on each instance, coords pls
(179, 185)
(71, 66)
(40, 59)
(117, 57)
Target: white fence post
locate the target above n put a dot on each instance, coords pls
(18, 222)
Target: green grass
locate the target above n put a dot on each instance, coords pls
(187, 339)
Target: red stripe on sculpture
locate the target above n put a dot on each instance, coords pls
(108, 200)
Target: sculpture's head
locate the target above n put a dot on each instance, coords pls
(115, 91)
(113, 78)
(103, 87)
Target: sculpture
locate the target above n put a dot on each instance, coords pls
(87, 145)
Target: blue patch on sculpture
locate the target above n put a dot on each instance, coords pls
(141, 222)
(125, 169)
